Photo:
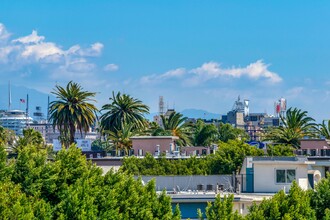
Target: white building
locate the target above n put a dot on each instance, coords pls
(16, 120)
(272, 174)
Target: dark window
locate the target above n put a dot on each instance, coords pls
(285, 176)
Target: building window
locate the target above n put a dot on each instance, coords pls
(285, 176)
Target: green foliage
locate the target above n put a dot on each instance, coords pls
(230, 156)
(321, 197)
(175, 125)
(72, 110)
(280, 150)
(121, 138)
(204, 134)
(227, 159)
(123, 110)
(99, 144)
(296, 125)
(222, 208)
(69, 187)
(227, 132)
(325, 129)
(295, 206)
(7, 137)
(30, 137)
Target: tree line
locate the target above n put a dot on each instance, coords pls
(228, 158)
(32, 186)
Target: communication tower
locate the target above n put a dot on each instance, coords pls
(161, 105)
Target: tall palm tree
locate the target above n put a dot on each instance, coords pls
(72, 110)
(295, 126)
(175, 125)
(123, 110)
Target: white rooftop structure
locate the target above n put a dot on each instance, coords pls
(15, 120)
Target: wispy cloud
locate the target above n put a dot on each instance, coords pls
(111, 67)
(172, 74)
(213, 70)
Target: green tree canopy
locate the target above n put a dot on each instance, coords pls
(228, 132)
(69, 187)
(204, 134)
(294, 206)
(320, 198)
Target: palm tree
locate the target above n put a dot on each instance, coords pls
(175, 125)
(295, 126)
(121, 138)
(123, 110)
(325, 130)
(72, 110)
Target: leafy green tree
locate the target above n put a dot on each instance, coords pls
(221, 208)
(320, 197)
(295, 206)
(123, 110)
(229, 156)
(204, 134)
(30, 137)
(228, 132)
(100, 144)
(280, 150)
(7, 137)
(72, 111)
(295, 126)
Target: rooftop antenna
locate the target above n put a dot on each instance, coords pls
(48, 110)
(9, 98)
(27, 110)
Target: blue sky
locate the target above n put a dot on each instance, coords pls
(197, 54)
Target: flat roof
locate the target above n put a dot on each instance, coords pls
(155, 137)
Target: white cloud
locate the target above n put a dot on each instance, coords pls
(176, 73)
(4, 34)
(254, 70)
(111, 67)
(93, 51)
(32, 38)
(213, 70)
(41, 51)
(33, 49)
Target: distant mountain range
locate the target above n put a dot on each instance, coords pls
(192, 113)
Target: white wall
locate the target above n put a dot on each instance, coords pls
(265, 176)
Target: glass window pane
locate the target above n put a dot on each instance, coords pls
(280, 176)
(290, 175)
